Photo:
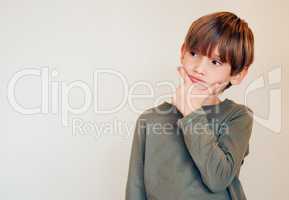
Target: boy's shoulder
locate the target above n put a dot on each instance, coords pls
(159, 111)
(234, 109)
(241, 107)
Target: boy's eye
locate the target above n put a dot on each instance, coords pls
(193, 53)
(216, 62)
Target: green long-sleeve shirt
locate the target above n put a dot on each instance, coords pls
(197, 156)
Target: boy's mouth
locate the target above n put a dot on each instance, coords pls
(201, 83)
(195, 80)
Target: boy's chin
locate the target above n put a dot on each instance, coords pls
(200, 86)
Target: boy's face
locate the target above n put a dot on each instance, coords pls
(208, 70)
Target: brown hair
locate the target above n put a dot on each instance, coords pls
(226, 31)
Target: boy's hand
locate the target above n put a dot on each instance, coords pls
(190, 96)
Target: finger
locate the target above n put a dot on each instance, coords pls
(218, 87)
(180, 75)
(198, 92)
(213, 88)
(195, 92)
(222, 86)
(184, 74)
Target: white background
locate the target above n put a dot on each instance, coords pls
(42, 159)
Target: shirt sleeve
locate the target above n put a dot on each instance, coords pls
(135, 189)
(218, 159)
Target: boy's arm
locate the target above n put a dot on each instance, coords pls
(218, 161)
(135, 189)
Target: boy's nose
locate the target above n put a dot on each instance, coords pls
(199, 67)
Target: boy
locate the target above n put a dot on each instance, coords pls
(193, 147)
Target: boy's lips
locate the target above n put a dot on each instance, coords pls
(201, 84)
(195, 79)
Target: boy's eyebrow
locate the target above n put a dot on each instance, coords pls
(216, 55)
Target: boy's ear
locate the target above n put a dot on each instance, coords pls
(237, 79)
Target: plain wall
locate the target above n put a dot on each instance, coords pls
(43, 156)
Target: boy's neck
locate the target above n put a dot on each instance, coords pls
(212, 100)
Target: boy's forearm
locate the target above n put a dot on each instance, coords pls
(218, 161)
